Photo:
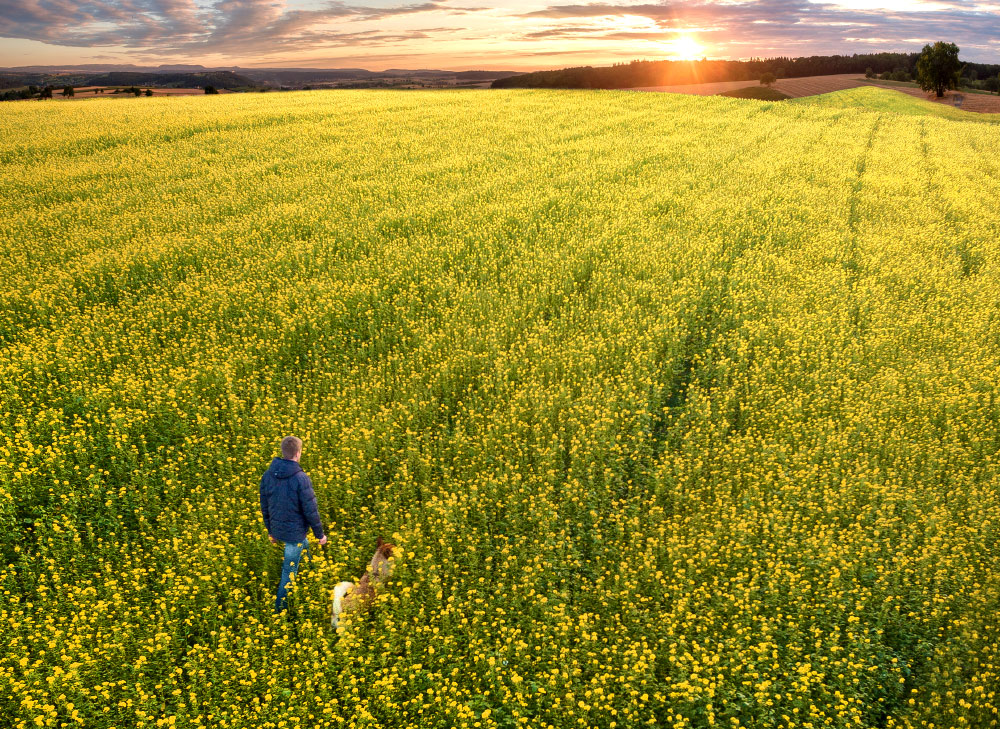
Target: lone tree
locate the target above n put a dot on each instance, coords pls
(767, 79)
(992, 84)
(149, 92)
(938, 68)
(211, 90)
(68, 91)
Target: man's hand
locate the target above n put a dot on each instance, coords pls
(273, 540)
(322, 542)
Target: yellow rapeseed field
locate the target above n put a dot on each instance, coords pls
(683, 411)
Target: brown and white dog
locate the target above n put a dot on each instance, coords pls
(348, 596)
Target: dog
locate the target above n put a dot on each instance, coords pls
(348, 596)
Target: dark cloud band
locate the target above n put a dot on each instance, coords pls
(181, 26)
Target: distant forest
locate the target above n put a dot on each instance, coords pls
(667, 73)
(218, 79)
(31, 82)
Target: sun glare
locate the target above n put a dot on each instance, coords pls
(686, 48)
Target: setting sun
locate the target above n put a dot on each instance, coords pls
(686, 48)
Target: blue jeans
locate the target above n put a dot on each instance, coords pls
(295, 554)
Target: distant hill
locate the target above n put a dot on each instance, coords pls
(358, 76)
(14, 78)
(485, 75)
(190, 75)
(668, 73)
(218, 79)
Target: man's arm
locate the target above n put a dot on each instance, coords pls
(264, 511)
(307, 502)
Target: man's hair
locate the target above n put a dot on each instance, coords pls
(290, 447)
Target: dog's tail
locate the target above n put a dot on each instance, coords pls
(339, 593)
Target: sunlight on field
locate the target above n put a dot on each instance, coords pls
(875, 99)
(683, 411)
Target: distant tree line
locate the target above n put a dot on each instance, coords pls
(938, 69)
(31, 92)
(218, 79)
(668, 73)
(45, 92)
(28, 92)
(987, 80)
(16, 81)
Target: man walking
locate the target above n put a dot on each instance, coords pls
(288, 505)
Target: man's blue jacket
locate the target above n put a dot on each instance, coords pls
(288, 502)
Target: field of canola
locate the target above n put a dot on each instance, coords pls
(683, 411)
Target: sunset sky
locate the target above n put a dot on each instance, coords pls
(472, 34)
